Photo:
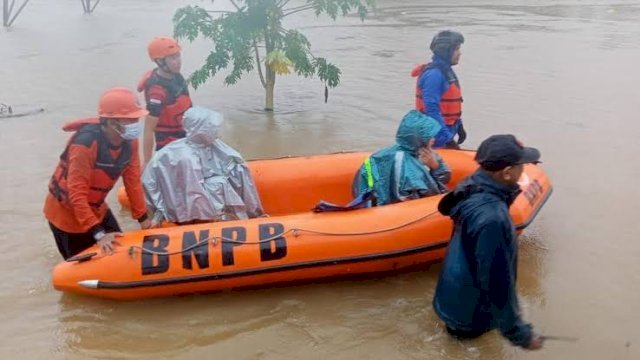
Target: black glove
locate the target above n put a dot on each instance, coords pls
(452, 145)
(462, 135)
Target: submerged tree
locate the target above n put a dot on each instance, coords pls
(253, 32)
(8, 16)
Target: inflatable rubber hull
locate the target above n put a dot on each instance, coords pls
(293, 244)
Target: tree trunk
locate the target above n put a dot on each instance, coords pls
(270, 74)
(268, 104)
(271, 83)
(8, 16)
(5, 12)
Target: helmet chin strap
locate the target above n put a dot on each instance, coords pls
(114, 124)
(120, 133)
(162, 64)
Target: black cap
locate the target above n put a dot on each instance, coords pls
(499, 151)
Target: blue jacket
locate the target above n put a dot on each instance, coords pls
(476, 290)
(434, 84)
(397, 172)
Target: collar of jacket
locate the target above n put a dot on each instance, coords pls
(488, 184)
(438, 60)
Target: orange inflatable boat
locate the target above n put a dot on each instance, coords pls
(294, 244)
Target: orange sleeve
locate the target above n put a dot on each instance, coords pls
(133, 184)
(81, 160)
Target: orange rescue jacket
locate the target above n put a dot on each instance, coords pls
(88, 169)
(451, 101)
(173, 96)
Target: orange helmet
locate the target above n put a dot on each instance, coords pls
(120, 103)
(161, 47)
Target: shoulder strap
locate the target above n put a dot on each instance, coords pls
(447, 72)
(173, 87)
(75, 125)
(85, 135)
(361, 201)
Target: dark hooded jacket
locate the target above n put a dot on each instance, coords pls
(476, 290)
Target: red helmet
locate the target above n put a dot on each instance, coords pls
(120, 103)
(161, 47)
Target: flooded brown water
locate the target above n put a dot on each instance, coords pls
(562, 75)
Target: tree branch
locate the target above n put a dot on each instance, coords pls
(297, 9)
(234, 4)
(283, 3)
(255, 48)
(220, 12)
(94, 5)
(18, 12)
(268, 49)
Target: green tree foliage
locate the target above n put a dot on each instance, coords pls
(252, 37)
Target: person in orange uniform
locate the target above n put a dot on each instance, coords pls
(98, 153)
(167, 96)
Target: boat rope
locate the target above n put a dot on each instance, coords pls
(213, 240)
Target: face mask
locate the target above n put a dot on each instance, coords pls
(131, 131)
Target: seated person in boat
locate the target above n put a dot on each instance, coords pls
(200, 178)
(408, 170)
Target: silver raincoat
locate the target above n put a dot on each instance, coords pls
(200, 178)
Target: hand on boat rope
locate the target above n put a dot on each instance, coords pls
(295, 231)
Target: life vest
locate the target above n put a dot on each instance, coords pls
(105, 171)
(177, 101)
(451, 100)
